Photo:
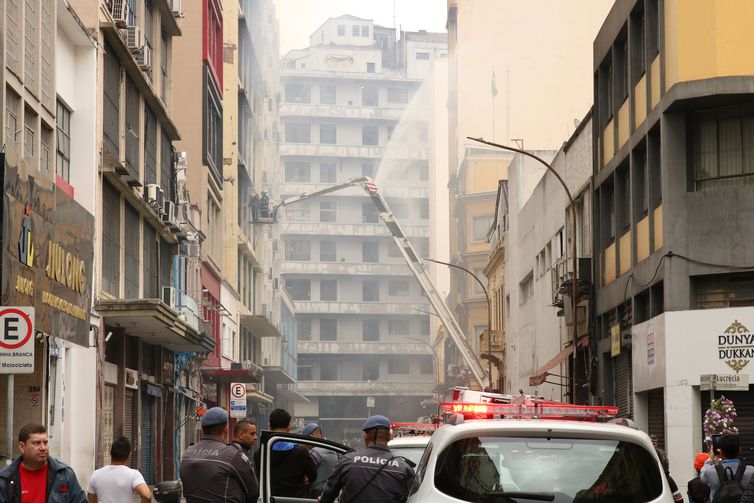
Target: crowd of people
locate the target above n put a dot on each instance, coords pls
(212, 470)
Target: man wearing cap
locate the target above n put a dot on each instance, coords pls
(372, 474)
(325, 459)
(213, 471)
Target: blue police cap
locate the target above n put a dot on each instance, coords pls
(376, 422)
(215, 415)
(309, 429)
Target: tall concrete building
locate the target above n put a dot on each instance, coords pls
(672, 195)
(353, 105)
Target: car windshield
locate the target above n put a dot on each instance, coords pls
(411, 452)
(491, 469)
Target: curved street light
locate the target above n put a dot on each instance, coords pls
(489, 312)
(574, 281)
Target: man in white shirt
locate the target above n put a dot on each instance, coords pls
(116, 482)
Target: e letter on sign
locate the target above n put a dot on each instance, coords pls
(17, 340)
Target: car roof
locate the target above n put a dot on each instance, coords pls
(538, 427)
(410, 441)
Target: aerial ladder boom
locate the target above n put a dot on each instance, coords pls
(415, 264)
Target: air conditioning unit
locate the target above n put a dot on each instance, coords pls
(131, 378)
(121, 12)
(175, 6)
(168, 212)
(168, 296)
(134, 39)
(144, 58)
(154, 196)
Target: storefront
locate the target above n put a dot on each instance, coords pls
(47, 260)
(670, 354)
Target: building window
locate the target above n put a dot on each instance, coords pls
(370, 135)
(398, 365)
(328, 370)
(341, 30)
(213, 40)
(327, 251)
(390, 130)
(398, 327)
(45, 146)
(297, 93)
(426, 365)
(424, 209)
(111, 104)
(477, 288)
(132, 129)
(480, 227)
(213, 129)
(304, 329)
(424, 327)
(150, 146)
(304, 373)
(526, 288)
(63, 152)
(424, 172)
(371, 370)
(365, 31)
(327, 172)
(131, 248)
(327, 134)
(370, 252)
(398, 288)
(370, 290)
(298, 133)
(327, 95)
(151, 263)
(328, 329)
(356, 30)
(328, 290)
(367, 169)
(422, 55)
(299, 289)
(370, 330)
(30, 134)
(397, 95)
(370, 69)
(297, 171)
(723, 147)
(370, 96)
(298, 250)
(327, 211)
(111, 240)
(369, 213)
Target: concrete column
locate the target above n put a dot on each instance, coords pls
(682, 423)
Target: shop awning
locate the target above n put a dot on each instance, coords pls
(541, 375)
(227, 376)
(260, 325)
(154, 322)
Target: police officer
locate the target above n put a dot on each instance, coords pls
(372, 474)
(213, 471)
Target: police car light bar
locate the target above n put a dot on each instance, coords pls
(545, 410)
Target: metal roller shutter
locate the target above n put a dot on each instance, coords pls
(128, 420)
(107, 422)
(146, 451)
(623, 384)
(744, 403)
(656, 415)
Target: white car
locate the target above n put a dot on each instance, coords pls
(410, 447)
(539, 460)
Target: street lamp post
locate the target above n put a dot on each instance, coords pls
(574, 311)
(489, 313)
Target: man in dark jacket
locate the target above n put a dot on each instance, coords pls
(372, 474)
(213, 471)
(37, 475)
(292, 469)
(245, 436)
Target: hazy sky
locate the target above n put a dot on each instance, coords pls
(299, 18)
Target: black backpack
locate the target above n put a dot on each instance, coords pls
(730, 490)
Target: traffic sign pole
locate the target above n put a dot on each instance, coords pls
(9, 421)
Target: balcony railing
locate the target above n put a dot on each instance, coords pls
(374, 308)
(338, 229)
(404, 387)
(398, 188)
(357, 151)
(342, 268)
(362, 348)
(352, 112)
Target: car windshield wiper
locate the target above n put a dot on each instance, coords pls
(514, 495)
